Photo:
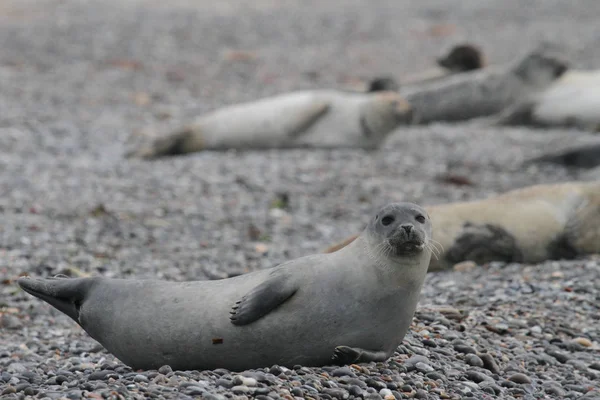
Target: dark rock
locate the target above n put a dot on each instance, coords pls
(343, 371)
(476, 376)
(101, 375)
(519, 378)
(463, 348)
(473, 360)
(489, 363)
(561, 357)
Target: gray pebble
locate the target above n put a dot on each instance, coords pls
(241, 389)
(101, 375)
(519, 378)
(337, 393)
(226, 383)
(473, 360)
(343, 371)
(463, 348)
(140, 378)
(555, 390)
(421, 394)
(193, 390)
(562, 357)
(477, 376)
(165, 369)
(489, 363)
(576, 388)
(424, 368)
(355, 391)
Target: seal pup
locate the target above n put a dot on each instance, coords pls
(527, 225)
(487, 91)
(311, 118)
(352, 306)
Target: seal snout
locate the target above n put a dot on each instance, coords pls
(406, 239)
(407, 228)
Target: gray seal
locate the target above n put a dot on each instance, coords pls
(351, 306)
(486, 91)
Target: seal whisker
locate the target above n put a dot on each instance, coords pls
(436, 243)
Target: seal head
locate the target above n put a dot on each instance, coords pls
(404, 229)
(543, 66)
(384, 113)
(462, 58)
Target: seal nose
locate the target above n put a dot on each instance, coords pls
(407, 228)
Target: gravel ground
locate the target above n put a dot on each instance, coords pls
(81, 81)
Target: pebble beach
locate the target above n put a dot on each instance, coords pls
(83, 82)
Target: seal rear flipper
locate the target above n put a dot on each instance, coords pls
(263, 299)
(64, 294)
(582, 157)
(177, 143)
(344, 355)
(483, 243)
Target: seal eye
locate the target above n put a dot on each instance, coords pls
(388, 219)
(420, 218)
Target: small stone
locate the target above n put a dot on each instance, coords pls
(489, 363)
(473, 360)
(194, 390)
(576, 388)
(140, 378)
(477, 377)
(165, 369)
(585, 342)
(595, 365)
(463, 348)
(336, 393)
(519, 378)
(9, 390)
(490, 385)
(355, 391)
(344, 371)
(421, 394)
(375, 384)
(16, 368)
(435, 376)
(406, 388)
(240, 389)
(555, 390)
(424, 368)
(275, 370)
(226, 383)
(561, 357)
(101, 375)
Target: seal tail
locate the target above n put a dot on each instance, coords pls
(177, 143)
(64, 294)
(582, 157)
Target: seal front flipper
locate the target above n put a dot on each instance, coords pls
(344, 355)
(263, 299)
(64, 294)
(305, 118)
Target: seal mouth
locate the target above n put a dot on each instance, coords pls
(402, 246)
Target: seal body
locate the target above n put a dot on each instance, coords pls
(352, 306)
(486, 91)
(573, 100)
(311, 118)
(528, 225)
